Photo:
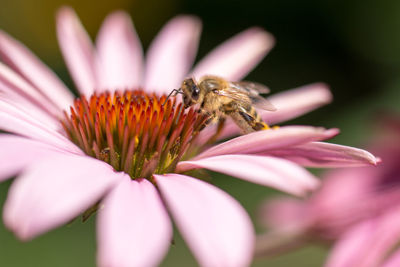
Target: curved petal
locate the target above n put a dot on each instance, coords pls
(217, 229)
(344, 251)
(77, 50)
(268, 171)
(7, 105)
(33, 70)
(293, 103)
(17, 153)
(319, 154)
(288, 222)
(171, 54)
(13, 84)
(286, 215)
(54, 191)
(346, 197)
(133, 228)
(368, 243)
(236, 57)
(263, 141)
(274, 243)
(21, 123)
(120, 53)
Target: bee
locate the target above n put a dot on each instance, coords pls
(219, 98)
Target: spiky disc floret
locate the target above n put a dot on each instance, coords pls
(134, 132)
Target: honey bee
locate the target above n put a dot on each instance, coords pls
(219, 98)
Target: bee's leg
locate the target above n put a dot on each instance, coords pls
(214, 137)
(252, 122)
(260, 122)
(221, 124)
(211, 117)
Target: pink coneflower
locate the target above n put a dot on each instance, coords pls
(118, 150)
(357, 210)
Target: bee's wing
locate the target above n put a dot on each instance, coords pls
(239, 95)
(250, 91)
(262, 103)
(251, 87)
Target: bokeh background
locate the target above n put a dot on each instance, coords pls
(352, 45)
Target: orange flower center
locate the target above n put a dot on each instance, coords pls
(134, 132)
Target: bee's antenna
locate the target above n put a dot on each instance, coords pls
(174, 92)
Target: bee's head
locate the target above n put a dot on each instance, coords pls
(191, 92)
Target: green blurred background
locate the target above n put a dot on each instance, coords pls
(354, 46)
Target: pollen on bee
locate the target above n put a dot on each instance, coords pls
(266, 127)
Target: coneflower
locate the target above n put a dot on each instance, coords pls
(119, 150)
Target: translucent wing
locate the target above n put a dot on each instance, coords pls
(251, 87)
(247, 93)
(262, 103)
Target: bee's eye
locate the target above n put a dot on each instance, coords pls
(195, 92)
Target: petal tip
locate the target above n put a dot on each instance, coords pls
(375, 161)
(264, 37)
(3, 36)
(19, 227)
(330, 133)
(65, 17)
(23, 234)
(184, 21)
(367, 158)
(119, 17)
(65, 11)
(187, 21)
(186, 18)
(326, 94)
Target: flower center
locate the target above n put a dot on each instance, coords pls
(134, 132)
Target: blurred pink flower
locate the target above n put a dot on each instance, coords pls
(123, 150)
(356, 209)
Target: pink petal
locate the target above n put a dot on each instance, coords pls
(293, 103)
(13, 84)
(120, 53)
(21, 123)
(172, 53)
(288, 223)
(34, 71)
(346, 197)
(394, 260)
(319, 154)
(54, 191)
(77, 50)
(9, 106)
(368, 243)
(288, 216)
(217, 229)
(345, 252)
(133, 228)
(262, 141)
(17, 153)
(268, 171)
(236, 57)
